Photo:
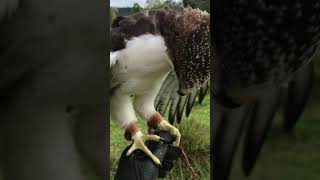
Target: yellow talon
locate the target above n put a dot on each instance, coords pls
(166, 126)
(138, 143)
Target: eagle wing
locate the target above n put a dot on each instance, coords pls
(230, 123)
(168, 95)
(240, 21)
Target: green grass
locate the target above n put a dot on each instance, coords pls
(195, 133)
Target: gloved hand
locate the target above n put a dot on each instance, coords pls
(172, 154)
(138, 166)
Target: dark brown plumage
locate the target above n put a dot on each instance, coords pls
(259, 46)
(264, 42)
(186, 35)
(145, 48)
(186, 32)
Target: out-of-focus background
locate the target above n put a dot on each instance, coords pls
(290, 156)
(195, 130)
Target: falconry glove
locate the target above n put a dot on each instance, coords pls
(138, 166)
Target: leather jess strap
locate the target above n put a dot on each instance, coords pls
(131, 130)
(155, 120)
(186, 162)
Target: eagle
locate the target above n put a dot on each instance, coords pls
(228, 118)
(260, 48)
(145, 48)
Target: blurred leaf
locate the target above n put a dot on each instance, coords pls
(201, 4)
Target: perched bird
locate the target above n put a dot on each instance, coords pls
(259, 47)
(229, 119)
(145, 47)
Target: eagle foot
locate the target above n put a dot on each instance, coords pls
(166, 126)
(139, 140)
(158, 123)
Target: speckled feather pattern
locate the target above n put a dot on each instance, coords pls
(186, 33)
(265, 40)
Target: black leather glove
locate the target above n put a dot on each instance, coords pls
(138, 166)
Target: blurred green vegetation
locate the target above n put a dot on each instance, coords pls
(113, 13)
(201, 4)
(136, 8)
(154, 4)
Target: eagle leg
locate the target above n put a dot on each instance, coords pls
(123, 111)
(144, 104)
(139, 140)
(157, 122)
(166, 126)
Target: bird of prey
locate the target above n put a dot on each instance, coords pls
(229, 122)
(259, 47)
(145, 47)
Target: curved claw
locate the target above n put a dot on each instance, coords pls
(139, 140)
(166, 126)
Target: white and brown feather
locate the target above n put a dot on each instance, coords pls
(185, 32)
